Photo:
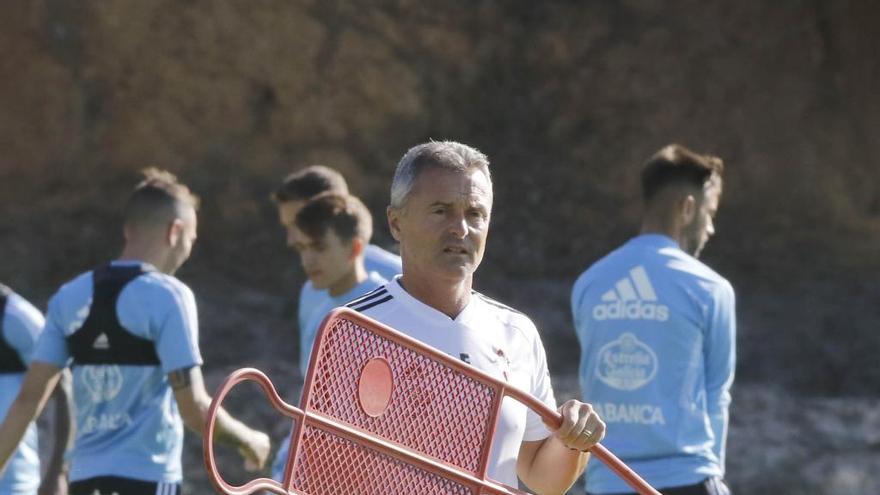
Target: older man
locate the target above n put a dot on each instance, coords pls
(441, 203)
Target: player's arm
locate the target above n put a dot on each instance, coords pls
(39, 381)
(55, 479)
(552, 465)
(720, 361)
(175, 326)
(193, 402)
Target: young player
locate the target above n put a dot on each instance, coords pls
(330, 232)
(296, 189)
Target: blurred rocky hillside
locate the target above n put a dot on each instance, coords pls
(566, 98)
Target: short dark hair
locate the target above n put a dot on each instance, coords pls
(345, 214)
(677, 165)
(158, 198)
(309, 182)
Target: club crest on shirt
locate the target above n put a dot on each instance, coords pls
(626, 363)
(496, 358)
(102, 382)
(502, 361)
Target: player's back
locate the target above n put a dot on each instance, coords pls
(123, 327)
(641, 315)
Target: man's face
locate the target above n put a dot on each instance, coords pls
(697, 234)
(329, 262)
(185, 239)
(443, 226)
(286, 217)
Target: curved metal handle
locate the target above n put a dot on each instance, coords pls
(258, 484)
(552, 417)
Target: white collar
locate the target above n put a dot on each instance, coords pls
(395, 288)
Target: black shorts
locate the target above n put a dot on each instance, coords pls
(113, 485)
(709, 486)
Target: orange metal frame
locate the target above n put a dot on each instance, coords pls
(354, 340)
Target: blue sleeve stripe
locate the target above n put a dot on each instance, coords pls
(369, 305)
(368, 296)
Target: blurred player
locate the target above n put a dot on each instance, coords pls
(331, 233)
(20, 326)
(295, 190)
(129, 329)
(657, 331)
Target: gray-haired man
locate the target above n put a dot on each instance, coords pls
(441, 202)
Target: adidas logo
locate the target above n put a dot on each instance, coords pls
(632, 298)
(102, 342)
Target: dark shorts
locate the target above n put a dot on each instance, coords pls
(709, 486)
(113, 485)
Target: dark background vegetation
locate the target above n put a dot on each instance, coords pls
(566, 98)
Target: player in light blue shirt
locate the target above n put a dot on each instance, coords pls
(291, 195)
(331, 233)
(20, 326)
(657, 330)
(129, 330)
(376, 260)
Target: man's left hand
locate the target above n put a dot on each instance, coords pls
(581, 426)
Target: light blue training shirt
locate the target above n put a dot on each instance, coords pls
(307, 334)
(376, 259)
(127, 421)
(22, 324)
(657, 330)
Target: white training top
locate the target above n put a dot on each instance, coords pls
(488, 335)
